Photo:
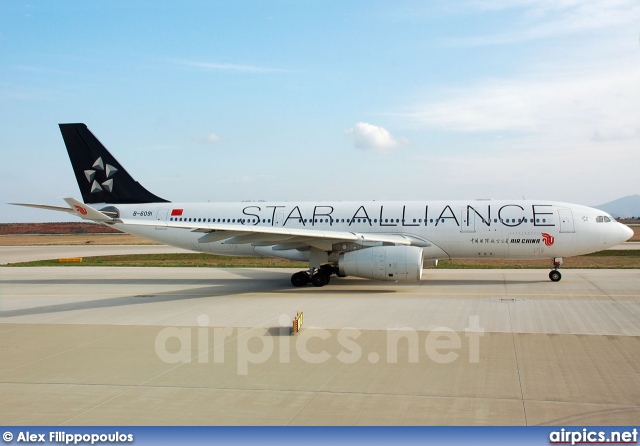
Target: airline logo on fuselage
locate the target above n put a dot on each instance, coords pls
(548, 239)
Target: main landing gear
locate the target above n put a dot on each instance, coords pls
(555, 275)
(318, 277)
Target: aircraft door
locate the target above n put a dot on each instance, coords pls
(566, 220)
(161, 215)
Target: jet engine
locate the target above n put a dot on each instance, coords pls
(387, 263)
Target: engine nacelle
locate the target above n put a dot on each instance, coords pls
(388, 263)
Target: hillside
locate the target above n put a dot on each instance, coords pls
(626, 207)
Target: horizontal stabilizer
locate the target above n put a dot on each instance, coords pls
(86, 212)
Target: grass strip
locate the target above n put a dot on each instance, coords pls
(626, 259)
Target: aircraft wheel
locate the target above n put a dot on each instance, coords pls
(300, 279)
(320, 279)
(555, 276)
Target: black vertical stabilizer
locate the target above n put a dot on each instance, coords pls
(100, 176)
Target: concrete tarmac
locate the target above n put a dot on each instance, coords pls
(192, 346)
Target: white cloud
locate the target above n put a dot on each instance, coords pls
(211, 138)
(373, 137)
(548, 18)
(584, 104)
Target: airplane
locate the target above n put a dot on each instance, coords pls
(379, 240)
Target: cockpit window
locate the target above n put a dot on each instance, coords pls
(607, 219)
(603, 218)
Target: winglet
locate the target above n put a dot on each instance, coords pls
(86, 212)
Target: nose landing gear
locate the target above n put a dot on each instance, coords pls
(555, 275)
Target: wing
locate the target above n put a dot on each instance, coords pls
(279, 238)
(45, 206)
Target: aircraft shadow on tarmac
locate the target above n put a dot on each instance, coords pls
(269, 284)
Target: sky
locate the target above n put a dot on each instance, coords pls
(324, 100)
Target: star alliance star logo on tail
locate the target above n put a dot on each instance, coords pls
(548, 239)
(108, 172)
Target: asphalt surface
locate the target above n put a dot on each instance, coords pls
(154, 346)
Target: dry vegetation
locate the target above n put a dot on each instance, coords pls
(72, 233)
(56, 228)
(75, 239)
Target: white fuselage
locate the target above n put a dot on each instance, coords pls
(517, 229)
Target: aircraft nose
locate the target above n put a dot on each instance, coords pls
(627, 232)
